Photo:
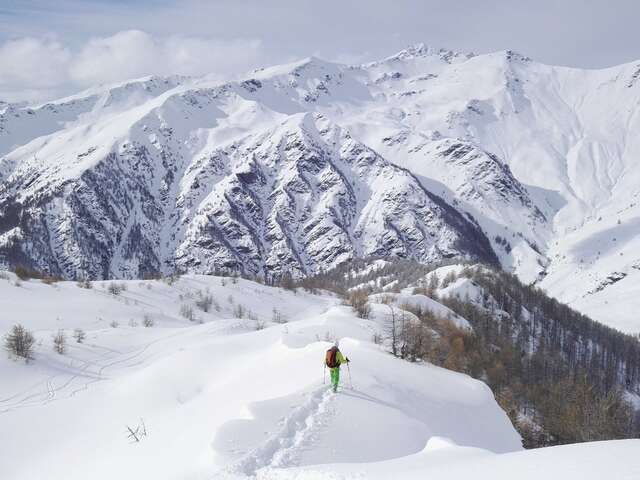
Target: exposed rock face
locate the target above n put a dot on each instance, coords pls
(296, 198)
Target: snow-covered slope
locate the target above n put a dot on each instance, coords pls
(535, 162)
(441, 458)
(221, 396)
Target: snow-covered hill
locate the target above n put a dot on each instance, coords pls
(238, 392)
(427, 154)
(227, 395)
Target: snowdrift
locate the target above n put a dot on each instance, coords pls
(443, 459)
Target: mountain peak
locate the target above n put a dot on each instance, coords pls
(423, 50)
(512, 55)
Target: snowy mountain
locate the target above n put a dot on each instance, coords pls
(428, 154)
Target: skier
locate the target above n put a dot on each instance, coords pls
(333, 360)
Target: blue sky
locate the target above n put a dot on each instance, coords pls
(70, 44)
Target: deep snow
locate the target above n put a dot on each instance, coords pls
(441, 459)
(219, 399)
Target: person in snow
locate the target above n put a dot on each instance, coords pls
(333, 360)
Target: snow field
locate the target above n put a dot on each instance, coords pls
(442, 458)
(219, 399)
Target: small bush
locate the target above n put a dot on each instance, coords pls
(239, 311)
(19, 342)
(147, 321)
(25, 273)
(79, 335)
(84, 283)
(204, 302)
(60, 342)
(187, 312)
(287, 282)
(116, 288)
(359, 300)
(277, 316)
(113, 324)
(329, 337)
(51, 279)
(171, 279)
(449, 279)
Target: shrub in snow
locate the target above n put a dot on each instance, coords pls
(147, 321)
(434, 284)
(19, 342)
(171, 279)
(277, 316)
(239, 311)
(187, 312)
(84, 283)
(113, 324)
(50, 280)
(60, 342)
(24, 273)
(116, 288)
(449, 279)
(204, 302)
(359, 300)
(79, 335)
(287, 282)
(138, 433)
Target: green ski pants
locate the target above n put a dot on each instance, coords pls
(335, 377)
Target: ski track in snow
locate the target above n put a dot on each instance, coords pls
(47, 391)
(281, 449)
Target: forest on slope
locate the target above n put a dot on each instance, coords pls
(561, 377)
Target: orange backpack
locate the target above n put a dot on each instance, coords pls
(331, 358)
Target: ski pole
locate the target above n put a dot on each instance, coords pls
(349, 370)
(324, 373)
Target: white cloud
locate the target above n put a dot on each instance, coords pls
(37, 69)
(31, 65)
(124, 55)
